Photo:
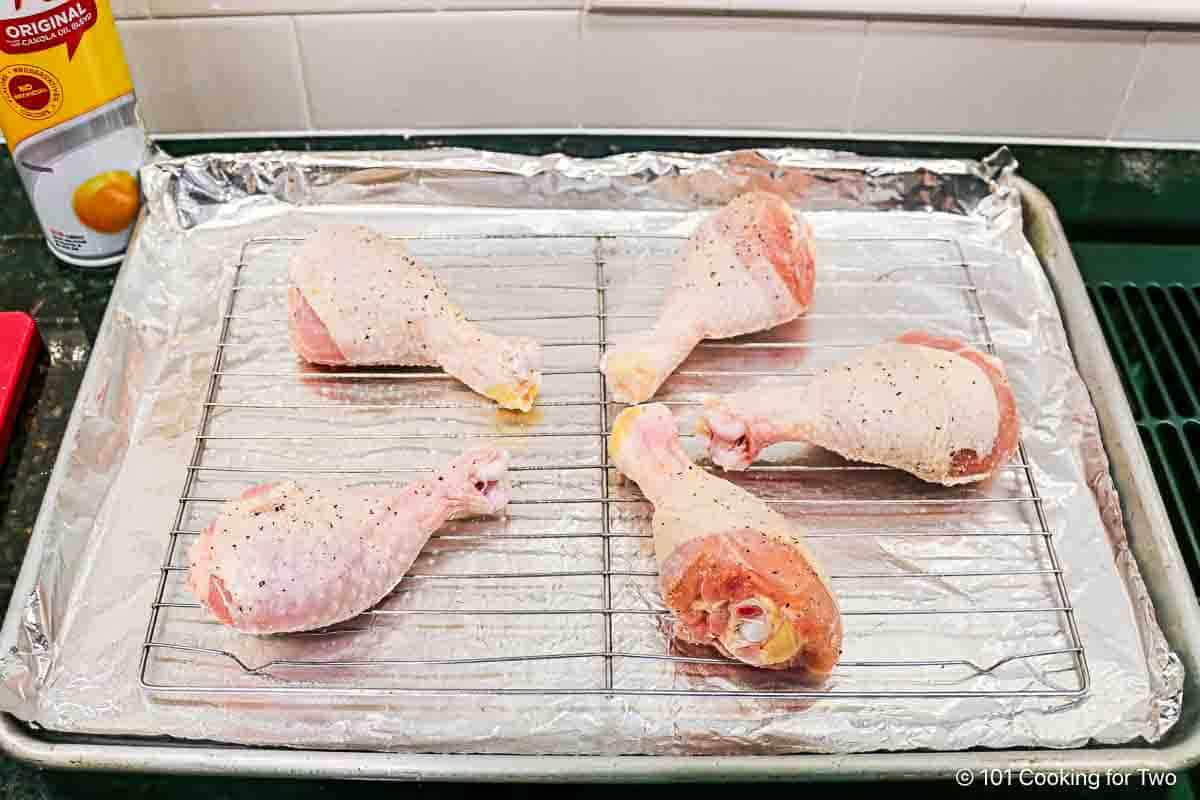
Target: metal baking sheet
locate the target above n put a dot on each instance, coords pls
(105, 527)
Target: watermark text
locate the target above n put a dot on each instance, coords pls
(1035, 778)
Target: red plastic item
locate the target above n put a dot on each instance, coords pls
(19, 344)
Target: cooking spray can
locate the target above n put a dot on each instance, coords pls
(67, 111)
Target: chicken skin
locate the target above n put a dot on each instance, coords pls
(750, 266)
(736, 575)
(357, 297)
(285, 557)
(928, 405)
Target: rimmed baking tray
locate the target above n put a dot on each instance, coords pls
(1149, 533)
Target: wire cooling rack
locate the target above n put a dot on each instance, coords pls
(946, 592)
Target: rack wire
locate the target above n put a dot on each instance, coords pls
(575, 609)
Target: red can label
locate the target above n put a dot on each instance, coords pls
(34, 93)
(62, 25)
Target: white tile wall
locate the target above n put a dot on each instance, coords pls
(130, 9)
(1137, 11)
(1164, 102)
(284, 65)
(1145, 11)
(665, 6)
(507, 5)
(227, 8)
(936, 8)
(718, 72)
(197, 8)
(469, 69)
(1010, 81)
(218, 74)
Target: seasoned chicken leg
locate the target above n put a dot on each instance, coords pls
(737, 575)
(748, 267)
(359, 298)
(927, 405)
(285, 557)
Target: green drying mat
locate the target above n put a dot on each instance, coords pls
(1148, 300)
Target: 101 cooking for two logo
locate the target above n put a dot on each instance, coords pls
(1033, 778)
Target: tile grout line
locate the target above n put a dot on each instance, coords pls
(858, 80)
(937, 16)
(1119, 117)
(306, 91)
(930, 136)
(579, 92)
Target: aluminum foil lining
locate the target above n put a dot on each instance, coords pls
(889, 231)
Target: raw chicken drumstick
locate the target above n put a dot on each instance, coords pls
(736, 574)
(927, 405)
(285, 557)
(748, 267)
(359, 298)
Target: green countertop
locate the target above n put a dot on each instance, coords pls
(1136, 197)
